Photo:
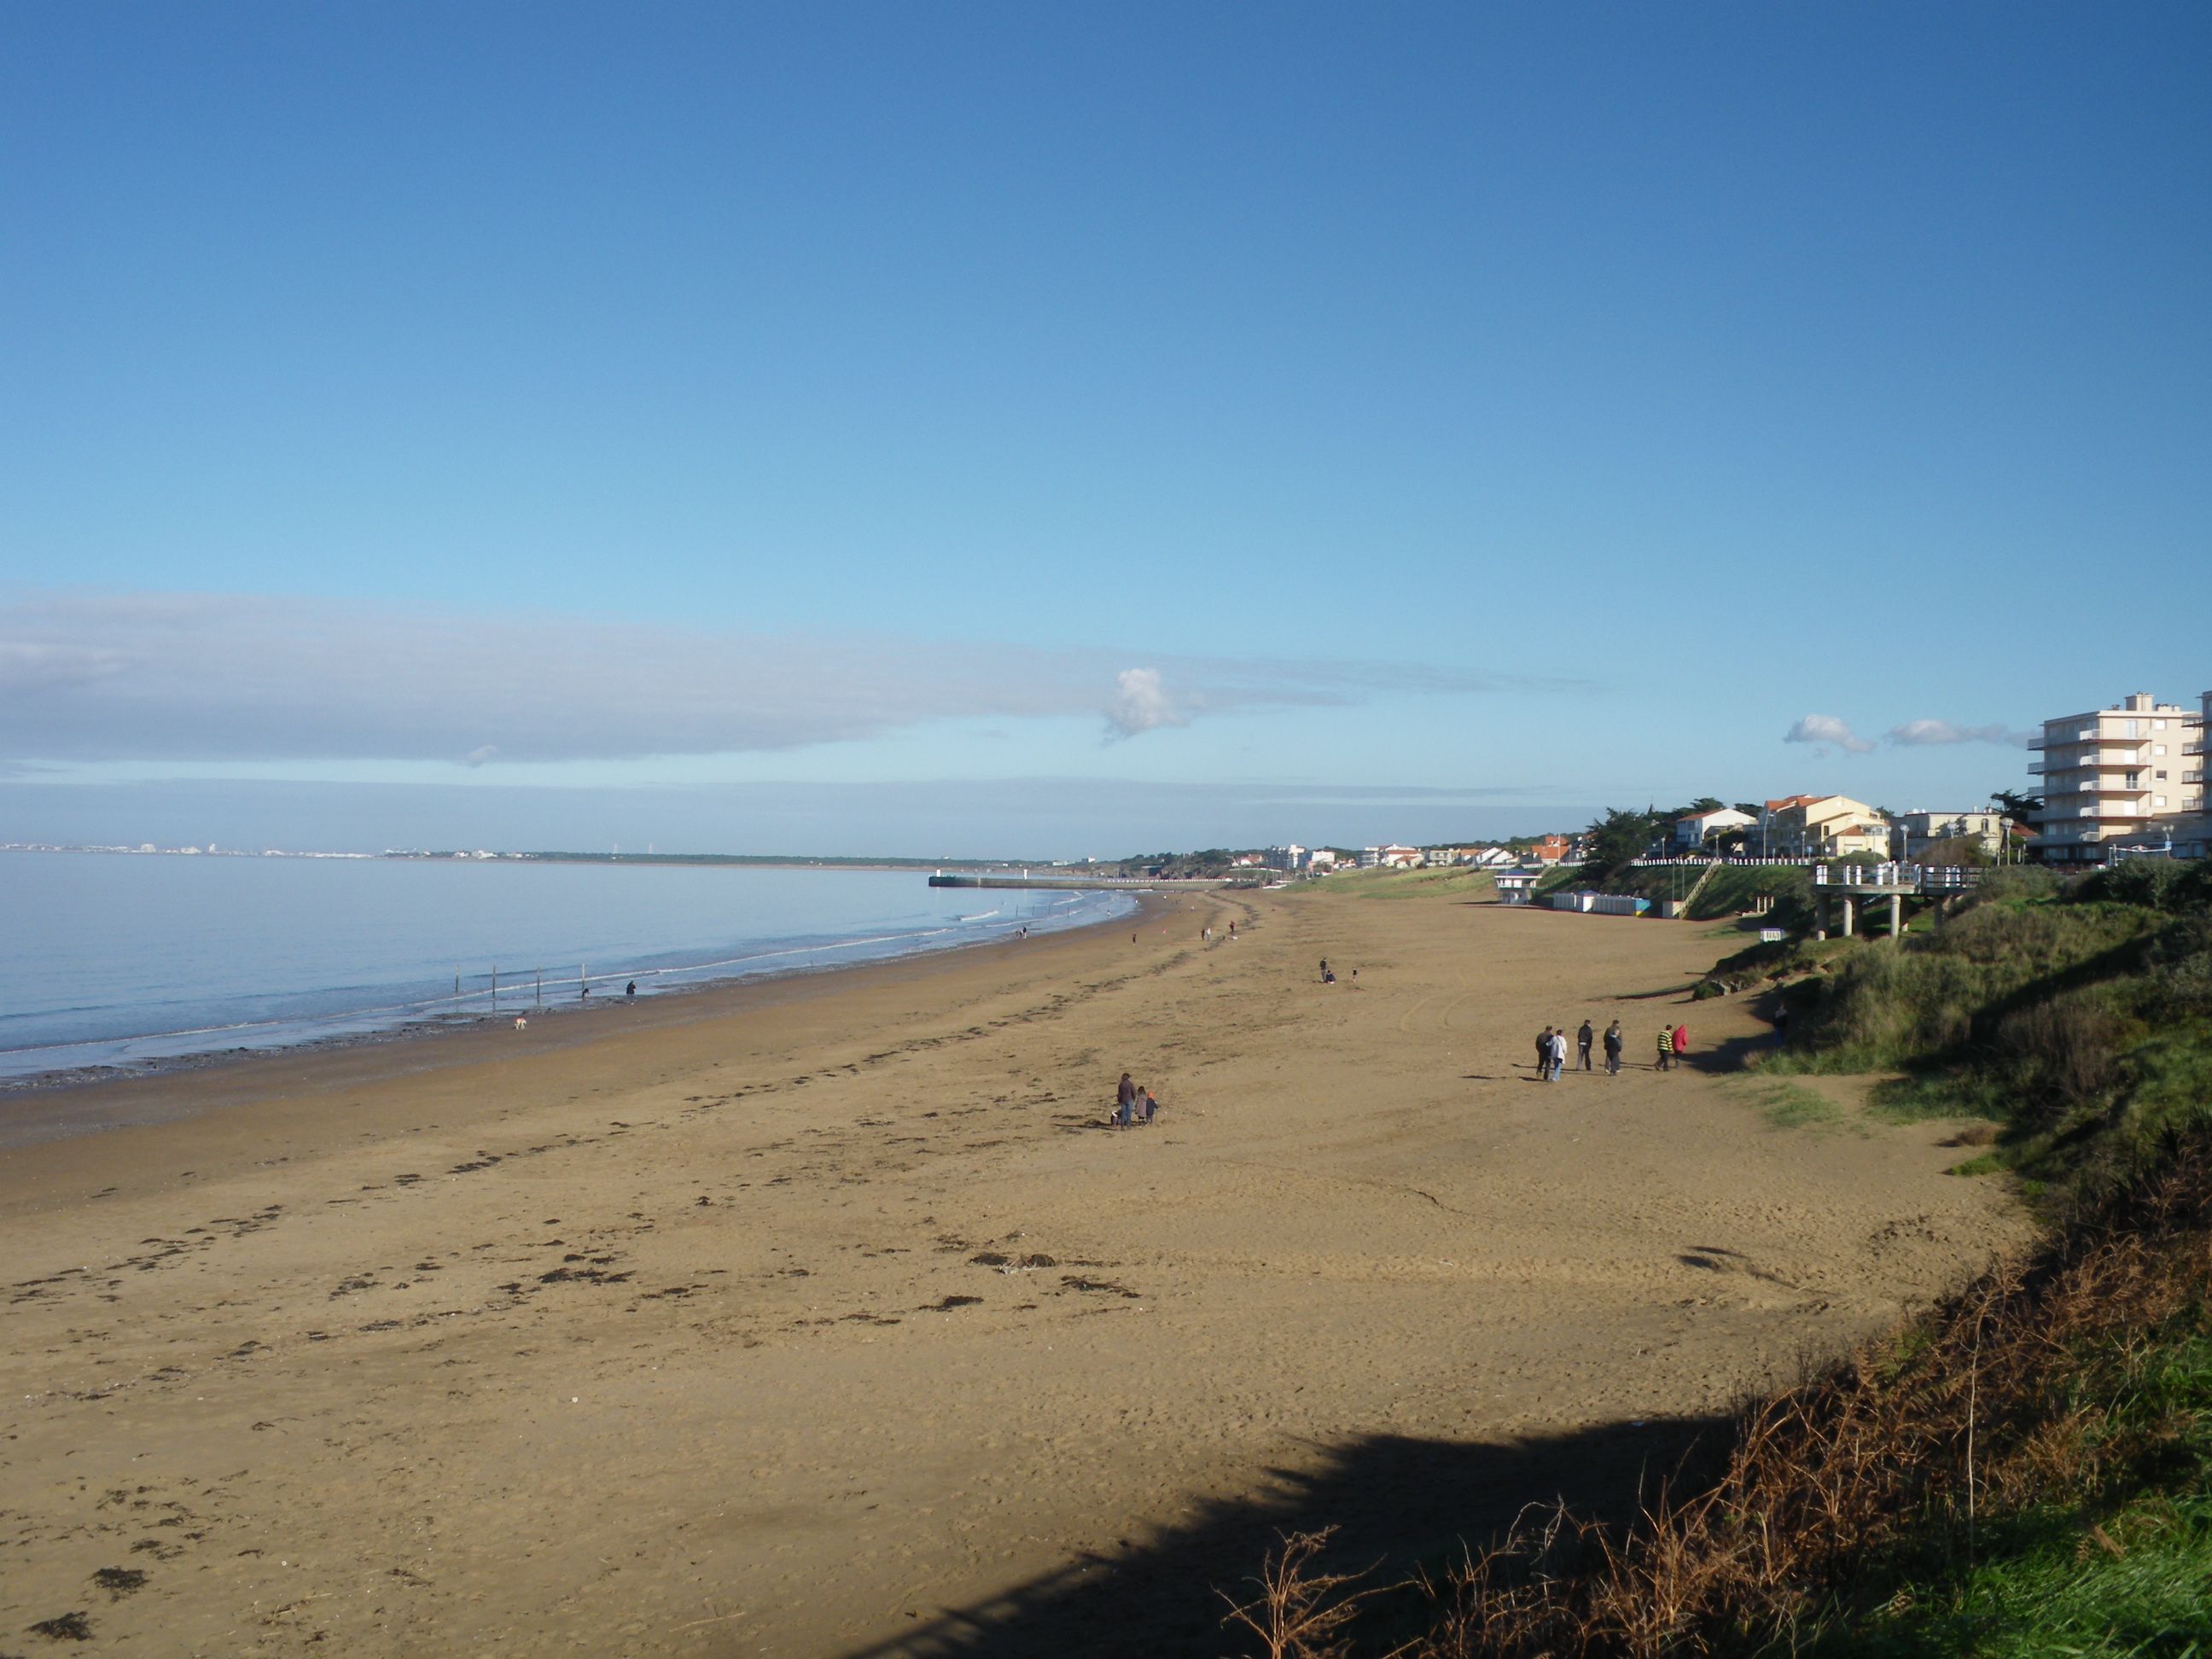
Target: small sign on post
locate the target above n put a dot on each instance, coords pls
(1769, 936)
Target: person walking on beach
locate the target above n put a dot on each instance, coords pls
(1125, 1099)
(1559, 1052)
(1583, 1041)
(1613, 1049)
(1681, 1035)
(1544, 1056)
(1666, 1061)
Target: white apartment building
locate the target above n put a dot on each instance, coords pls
(1912, 834)
(2112, 774)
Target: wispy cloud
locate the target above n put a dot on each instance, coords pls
(1828, 732)
(222, 677)
(1914, 733)
(1831, 732)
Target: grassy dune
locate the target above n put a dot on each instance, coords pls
(2027, 1470)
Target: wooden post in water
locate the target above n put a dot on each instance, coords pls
(494, 987)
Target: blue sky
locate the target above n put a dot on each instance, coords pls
(1322, 423)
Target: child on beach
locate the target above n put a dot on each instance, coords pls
(1666, 1060)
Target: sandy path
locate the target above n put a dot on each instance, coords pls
(831, 1322)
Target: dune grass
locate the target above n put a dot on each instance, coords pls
(1447, 880)
(1786, 1105)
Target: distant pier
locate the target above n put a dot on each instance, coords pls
(1127, 884)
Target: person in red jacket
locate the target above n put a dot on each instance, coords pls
(1681, 1043)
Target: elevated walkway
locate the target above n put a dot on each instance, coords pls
(1851, 883)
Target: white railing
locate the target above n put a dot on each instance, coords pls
(1925, 877)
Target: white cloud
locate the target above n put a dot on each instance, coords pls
(1141, 704)
(1914, 733)
(178, 676)
(1828, 732)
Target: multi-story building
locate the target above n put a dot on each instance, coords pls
(1912, 834)
(2111, 776)
(1822, 827)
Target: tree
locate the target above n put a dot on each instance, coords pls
(1618, 839)
(1957, 850)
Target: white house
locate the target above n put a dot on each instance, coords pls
(1691, 833)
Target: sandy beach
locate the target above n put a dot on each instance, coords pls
(826, 1317)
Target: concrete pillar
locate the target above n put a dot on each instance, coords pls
(1896, 915)
(1848, 913)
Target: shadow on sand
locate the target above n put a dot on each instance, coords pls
(1396, 1501)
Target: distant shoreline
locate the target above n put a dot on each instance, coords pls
(455, 855)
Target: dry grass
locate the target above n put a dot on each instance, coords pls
(1972, 1412)
(1301, 1611)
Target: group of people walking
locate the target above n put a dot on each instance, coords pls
(1552, 1049)
(1133, 1105)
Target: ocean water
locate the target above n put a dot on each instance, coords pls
(126, 960)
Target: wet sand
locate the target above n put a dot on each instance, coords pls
(826, 1317)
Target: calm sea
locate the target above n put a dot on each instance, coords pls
(120, 960)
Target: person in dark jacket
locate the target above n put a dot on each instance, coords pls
(1613, 1042)
(1583, 1038)
(1544, 1056)
(1125, 1099)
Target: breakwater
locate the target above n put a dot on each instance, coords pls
(1120, 883)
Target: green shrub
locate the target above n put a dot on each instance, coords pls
(2075, 1015)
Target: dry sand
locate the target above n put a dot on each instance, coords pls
(825, 1318)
